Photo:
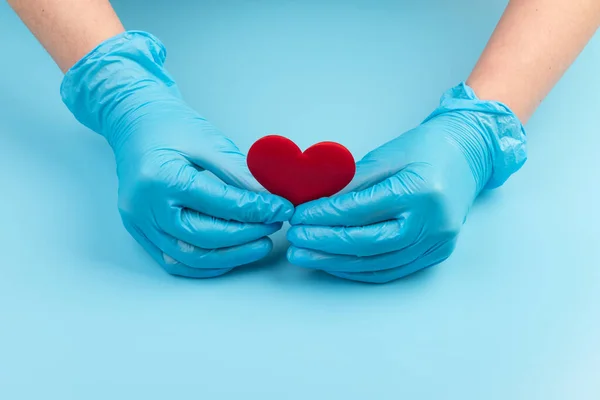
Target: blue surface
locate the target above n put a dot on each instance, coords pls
(85, 313)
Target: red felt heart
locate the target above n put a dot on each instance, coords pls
(283, 169)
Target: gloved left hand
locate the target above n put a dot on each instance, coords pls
(185, 192)
(404, 210)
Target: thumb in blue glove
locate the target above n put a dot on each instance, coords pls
(410, 197)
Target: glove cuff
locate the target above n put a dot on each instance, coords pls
(98, 89)
(505, 133)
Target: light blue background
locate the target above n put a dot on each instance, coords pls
(85, 313)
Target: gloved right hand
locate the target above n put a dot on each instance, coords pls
(185, 193)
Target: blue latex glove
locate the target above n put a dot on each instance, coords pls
(190, 222)
(411, 196)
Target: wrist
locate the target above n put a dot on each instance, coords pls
(491, 134)
(468, 141)
(118, 77)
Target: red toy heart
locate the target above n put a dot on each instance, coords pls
(283, 169)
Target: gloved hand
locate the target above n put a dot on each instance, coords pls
(410, 197)
(168, 160)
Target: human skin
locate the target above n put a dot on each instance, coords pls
(532, 46)
(69, 29)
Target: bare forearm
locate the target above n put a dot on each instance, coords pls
(534, 43)
(68, 29)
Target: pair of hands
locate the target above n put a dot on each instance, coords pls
(186, 195)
